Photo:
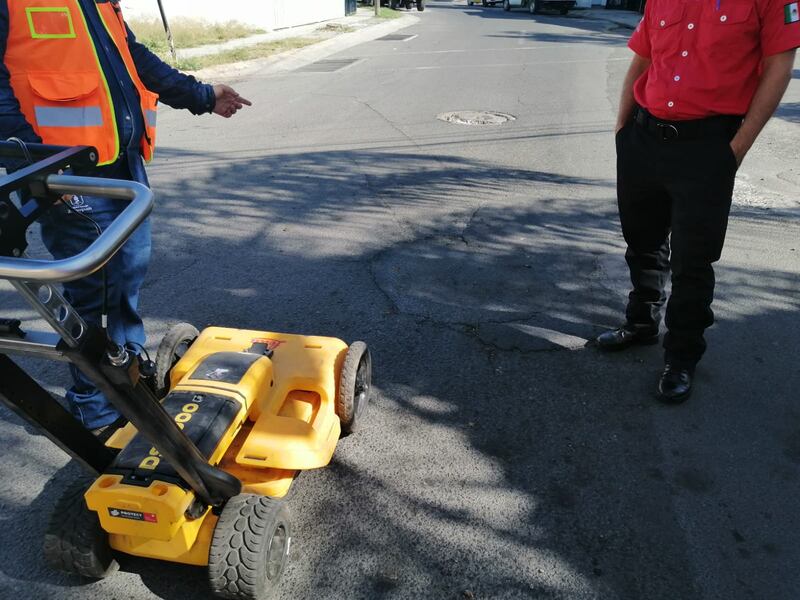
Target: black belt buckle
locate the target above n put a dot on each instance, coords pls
(667, 131)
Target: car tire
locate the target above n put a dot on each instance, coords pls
(506, 5)
(535, 7)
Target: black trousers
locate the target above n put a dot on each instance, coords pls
(674, 198)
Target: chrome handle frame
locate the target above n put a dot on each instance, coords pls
(99, 252)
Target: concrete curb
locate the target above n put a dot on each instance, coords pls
(295, 59)
(627, 19)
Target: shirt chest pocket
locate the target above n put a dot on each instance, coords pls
(730, 27)
(664, 25)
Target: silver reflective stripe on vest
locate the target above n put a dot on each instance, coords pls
(50, 116)
(152, 117)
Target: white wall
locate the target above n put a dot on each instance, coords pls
(266, 14)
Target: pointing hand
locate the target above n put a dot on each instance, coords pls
(228, 101)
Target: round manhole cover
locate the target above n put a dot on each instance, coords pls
(476, 117)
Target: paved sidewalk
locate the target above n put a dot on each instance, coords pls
(624, 18)
(365, 17)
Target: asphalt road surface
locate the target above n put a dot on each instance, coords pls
(502, 459)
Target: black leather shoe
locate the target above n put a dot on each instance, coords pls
(625, 337)
(675, 384)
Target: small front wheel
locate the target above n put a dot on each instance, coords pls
(249, 548)
(355, 387)
(171, 349)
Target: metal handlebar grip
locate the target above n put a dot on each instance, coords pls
(99, 252)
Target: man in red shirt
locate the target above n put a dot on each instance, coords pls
(706, 77)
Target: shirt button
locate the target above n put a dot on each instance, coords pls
(663, 23)
(127, 117)
(691, 26)
(723, 18)
(670, 104)
(684, 54)
(677, 78)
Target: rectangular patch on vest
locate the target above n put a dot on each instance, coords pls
(791, 13)
(50, 22)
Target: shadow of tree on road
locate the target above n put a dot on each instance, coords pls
(504, 467)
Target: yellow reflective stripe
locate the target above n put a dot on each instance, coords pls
(108, 90)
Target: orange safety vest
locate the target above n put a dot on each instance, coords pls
(57, 78)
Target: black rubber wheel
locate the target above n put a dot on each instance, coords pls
(563, 11)
(393, 4)
(535, 6)
(249, 548)
(74, 541)
(506, 5)
(355, 387)
(420, 5)
(173, 346)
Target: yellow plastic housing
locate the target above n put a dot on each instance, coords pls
(293, 410)
(155, 512)
(287, 423)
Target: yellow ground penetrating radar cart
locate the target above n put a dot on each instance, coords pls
(219, 425)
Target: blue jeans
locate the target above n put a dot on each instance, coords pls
(65, 234)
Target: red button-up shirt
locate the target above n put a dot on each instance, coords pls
(706, 54)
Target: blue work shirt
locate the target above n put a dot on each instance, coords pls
(174, 88)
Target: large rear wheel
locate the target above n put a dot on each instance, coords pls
(74, 541)
(249, 548)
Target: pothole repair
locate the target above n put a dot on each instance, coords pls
(518, 283)
(476, 117)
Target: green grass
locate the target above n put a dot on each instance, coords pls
(388, 13)
(187, 33)
(262, 50)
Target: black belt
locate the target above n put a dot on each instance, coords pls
(717, 126)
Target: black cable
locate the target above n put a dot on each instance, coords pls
(24, 146)
(146, 353)
(104, 310)
(99, 230)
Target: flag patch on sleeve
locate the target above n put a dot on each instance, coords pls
(791, 13)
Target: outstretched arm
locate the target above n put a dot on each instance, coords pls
(180, 90)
